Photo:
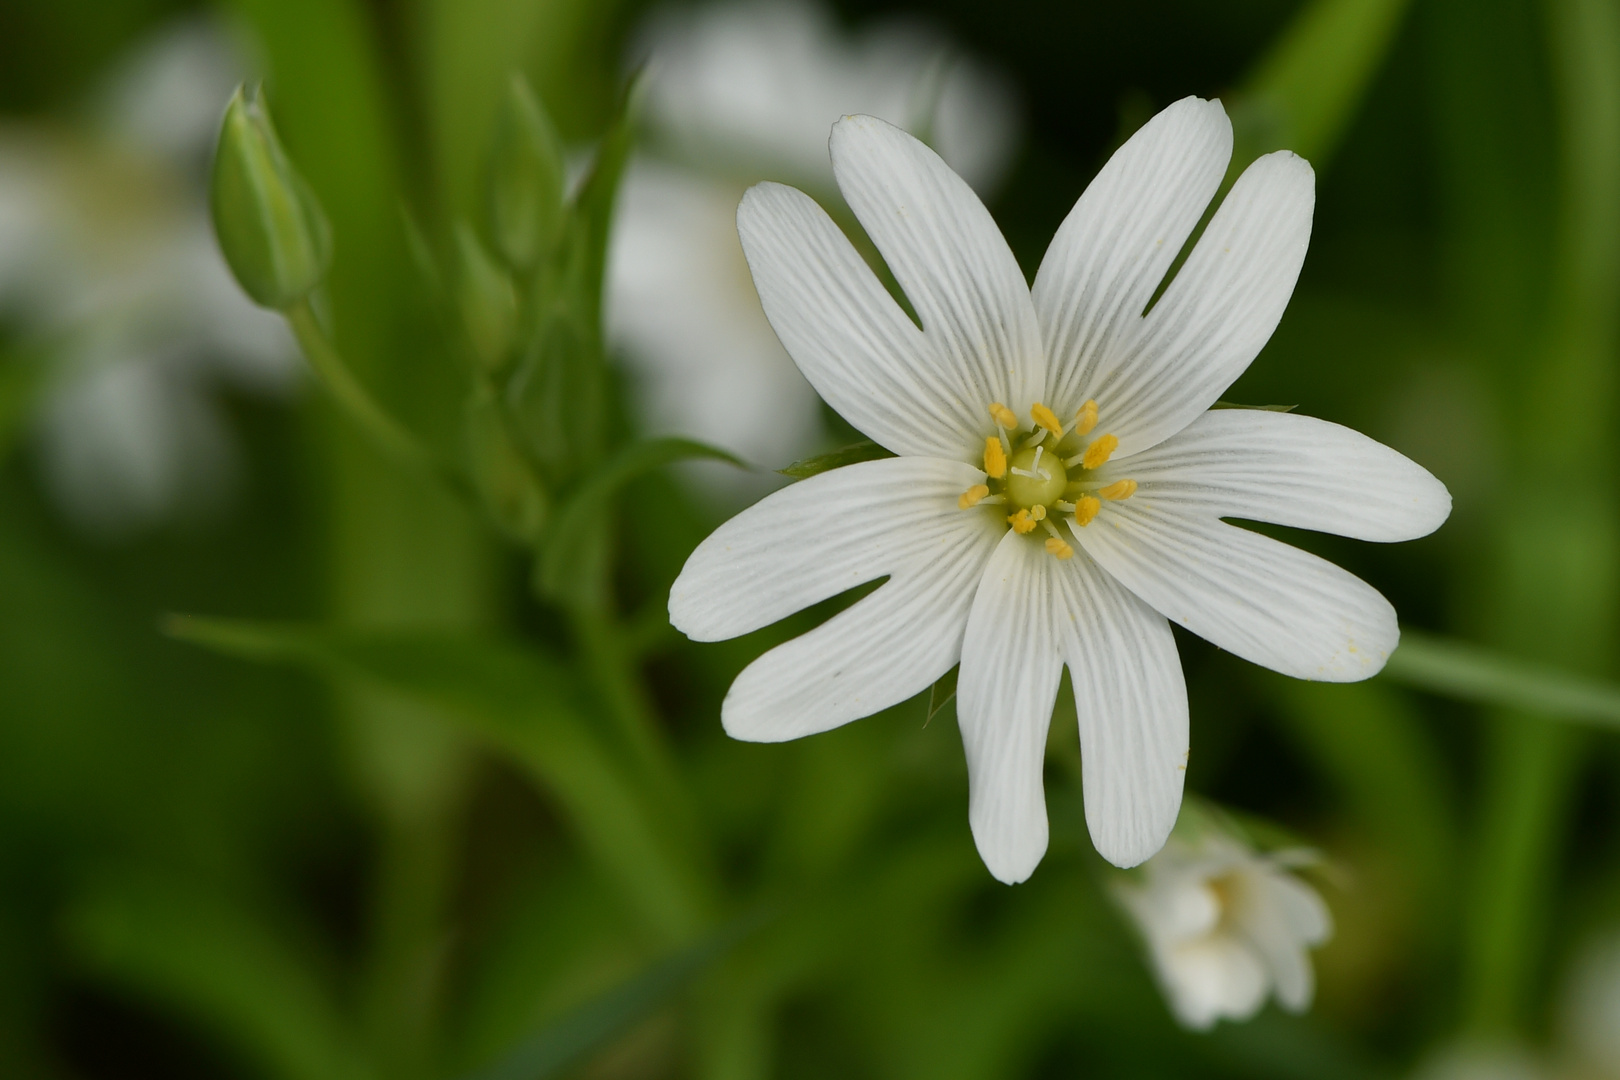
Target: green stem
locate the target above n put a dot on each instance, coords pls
(618, 684)
(1528, 767)
(356, 402)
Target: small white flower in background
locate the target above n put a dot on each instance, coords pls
(1483, 1061)
(1225, 926)
(1060, 489)
(108, 265)
(1591, 1010)
(736, 92)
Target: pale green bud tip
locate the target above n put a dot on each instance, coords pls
(488, 304)
(525, 178)
(270, 226)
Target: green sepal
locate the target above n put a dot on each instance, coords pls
(271, 228)
(866, 450)
(1254, 408)
(511, 492)
(487, 302)
(526, 179)
(941, 694)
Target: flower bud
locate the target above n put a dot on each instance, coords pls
(510, 490)
(525, 179)
(488, 304)
(270, 226)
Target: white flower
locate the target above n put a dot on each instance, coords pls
(1225, 926)
(1030, 424)
(1590, 1012)
(735, 92)
(108, 264)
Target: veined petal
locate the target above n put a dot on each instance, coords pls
(1132, 703)
(950, 258)
(1281, 923)
(1218, 312)
(1004, 697)
(1114, 248)
(849, 337)
(1288, 470)
(896, 516)
(1265, 601)
(888, 647)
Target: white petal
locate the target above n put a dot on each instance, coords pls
(823, 536)
(888, 647)
(1269, 603)
(1218, 312)
(1288, 470)
(1004, 697)
(950, 259)
(1114, 248)
(1132, 704)
(1286, 917)
(1214, 978)
(849, 337)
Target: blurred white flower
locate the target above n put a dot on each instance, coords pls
(736, 92)
(1225, 925)
(108, 267)
(1482, 1061)
(1591, 1010)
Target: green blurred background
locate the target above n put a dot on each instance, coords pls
(215, 868)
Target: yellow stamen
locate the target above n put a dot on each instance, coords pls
(995, 458)
(1046, 418)
(1099, 451)
(1003, 416)
(1086, 418)
(971, 496)
(1038, 512)
(1022, 523)
(1119, 489)
(1057, 547)
(1085, 508)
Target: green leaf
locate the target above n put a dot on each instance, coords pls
(1304, 93)
(574, 561)
(220, 965)
(592, 218)
(520, 703)
(1257, 408)
(866, 450)
(573, 1039)
(1472, 673)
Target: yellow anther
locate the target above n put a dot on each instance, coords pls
(995, 458)
(1085, 508)
(1045, 418)
(1119, 489)
(1099, 451)
(1057, 547)
(972, 496)
(1003, 416)
(1022, 523)
(1038, 512)
(1086, 418)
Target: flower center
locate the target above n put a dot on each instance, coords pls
(1044, 470)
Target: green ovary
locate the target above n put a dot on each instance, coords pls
(1035, 477)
